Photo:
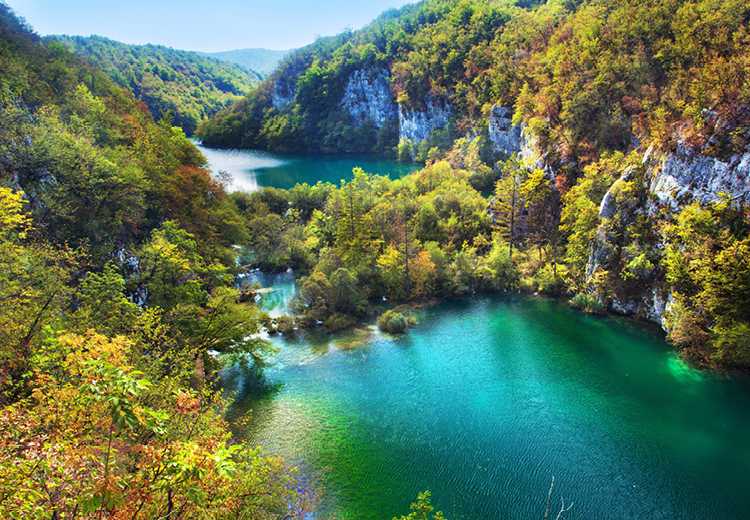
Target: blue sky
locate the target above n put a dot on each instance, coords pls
(204, 25)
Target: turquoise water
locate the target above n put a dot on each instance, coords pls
(283, 286)
(250, 170)
(485, 400)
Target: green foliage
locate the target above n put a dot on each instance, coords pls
(707, 262)
(580, 212)
(112, 404)
(588, 303)
(102, 303)
(422, 509)
(427, 47)
(395, 322)
(99, 172)
(186, 87)
(587, 78)
(33, 290)
(405, 151)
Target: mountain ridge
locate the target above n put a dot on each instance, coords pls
(187, 85)
(255, 59)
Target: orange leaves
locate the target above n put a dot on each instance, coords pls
(95, 438)
(187, 404)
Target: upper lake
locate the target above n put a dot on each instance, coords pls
(250, 170)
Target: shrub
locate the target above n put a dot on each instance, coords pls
(394, 322)
(337, 322)
(286, 325)
(588, 303)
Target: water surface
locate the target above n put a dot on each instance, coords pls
(250, 170)
(283, 287)
(486, 400)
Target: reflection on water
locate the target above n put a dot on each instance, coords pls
(250, 170)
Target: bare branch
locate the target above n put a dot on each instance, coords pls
(549, 498)
(563, 509)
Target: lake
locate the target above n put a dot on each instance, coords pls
(251, 170)
(487, 399)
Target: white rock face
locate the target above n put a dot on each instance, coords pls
(677, 179)
(417, 125)
(285, 87)
(660, 305)
(368, 98)
(282, 96)
(686, 176)
(506, 138)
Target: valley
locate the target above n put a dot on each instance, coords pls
(470, 259)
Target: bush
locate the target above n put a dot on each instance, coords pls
(337, 322)
(286, 325)
(587, 303)
(405, 151)
(394, 322)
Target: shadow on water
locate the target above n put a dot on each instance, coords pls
(244, 385)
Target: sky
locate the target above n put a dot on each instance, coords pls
(202, 25)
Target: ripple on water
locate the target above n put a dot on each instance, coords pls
(485, 400)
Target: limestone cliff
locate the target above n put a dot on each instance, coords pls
(506, 138)
(416, 125)
(685, 176)
(670, 182)
(368, 98)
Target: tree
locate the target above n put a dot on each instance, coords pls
(103, 304)
(506, 207)
(171, 270)
(580, 213)
(542, 202)
(96, 439)
(33, 291)
(422, 509)
(707, 262)
(391, 268)
(346, 296)
(314, 296)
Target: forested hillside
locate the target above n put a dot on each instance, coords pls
(261, 61)
(118, 307)
(584, 76)
(186, 86)
(596, 149)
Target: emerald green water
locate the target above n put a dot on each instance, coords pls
(485, 400)
(250, 170)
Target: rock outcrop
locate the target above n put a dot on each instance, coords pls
(368, 98)
(506, 138)
(285, 87)
(282, 95)
(417, 125)
(603, 248)
(685, 176)
(671, 182)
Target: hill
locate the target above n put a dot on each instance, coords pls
(434, 70)
(187, 85)
(262, 61)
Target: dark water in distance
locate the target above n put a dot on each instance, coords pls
(485, 400)
(251, 170)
